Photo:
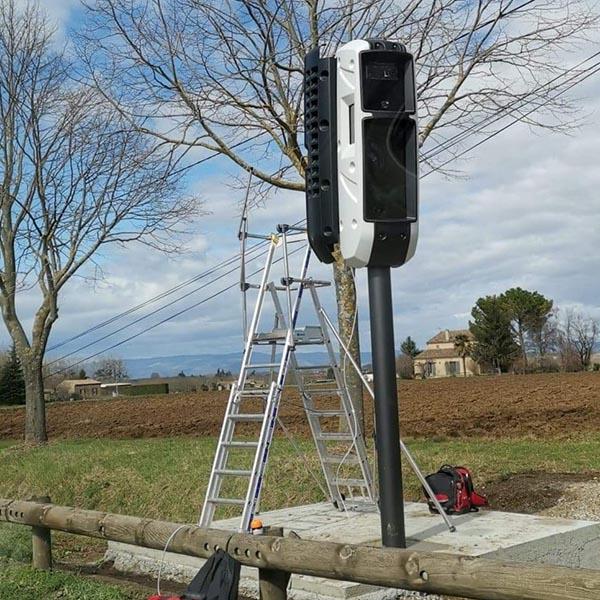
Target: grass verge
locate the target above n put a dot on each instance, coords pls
(166, 478)
(18, 582)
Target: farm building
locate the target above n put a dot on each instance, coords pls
(441, 358)
(78, 388)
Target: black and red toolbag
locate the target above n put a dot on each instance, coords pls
(453, 488)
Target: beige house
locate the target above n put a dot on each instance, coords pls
(441, 359)
(79, 388)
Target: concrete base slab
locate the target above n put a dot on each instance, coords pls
(492, 534)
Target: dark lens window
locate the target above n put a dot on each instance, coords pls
(384, 77)
(389, 169)
(382, 71)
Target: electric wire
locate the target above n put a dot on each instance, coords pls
(596, 69)
(159, 309)
(210, 271)
(575, 80)
(162, 321)
(456, 139)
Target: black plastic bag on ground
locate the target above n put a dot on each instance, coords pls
(218, 579)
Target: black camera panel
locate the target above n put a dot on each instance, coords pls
(389, 163)
(387, 78)
(320, 127)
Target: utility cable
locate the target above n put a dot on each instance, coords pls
(151, 314)
(166, 293)
(505, 111)
(592, 71)
(165, 320)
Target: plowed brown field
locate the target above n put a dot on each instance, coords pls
(545, 405)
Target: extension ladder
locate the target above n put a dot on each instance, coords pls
(342, 454)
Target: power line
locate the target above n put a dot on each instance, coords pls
(160, 296)
(507, 110)
(146, 316)
(165, 320)
(592, 71)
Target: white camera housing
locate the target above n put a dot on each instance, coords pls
(377, 153)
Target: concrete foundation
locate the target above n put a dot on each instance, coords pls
(491, 534)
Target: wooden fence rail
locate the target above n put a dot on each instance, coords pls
(437, 573)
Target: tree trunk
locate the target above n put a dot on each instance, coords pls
(345, 291)
(464, 360)
(35, 413)
(523, 350)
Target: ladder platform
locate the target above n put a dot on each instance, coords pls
(303, 336)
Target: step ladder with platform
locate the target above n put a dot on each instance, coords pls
(242, 451)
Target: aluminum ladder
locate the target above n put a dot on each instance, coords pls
(344, 488)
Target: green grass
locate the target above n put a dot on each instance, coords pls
(18, 582)
(166, 478)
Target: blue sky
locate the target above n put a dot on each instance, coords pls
(525, 214)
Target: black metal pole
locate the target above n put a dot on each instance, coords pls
(391, 500)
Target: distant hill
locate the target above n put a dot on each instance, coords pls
(207, 364)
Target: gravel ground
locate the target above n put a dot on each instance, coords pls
(579, 501)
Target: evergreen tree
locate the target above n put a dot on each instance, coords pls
(12, 384)
(491, 326)
(528, 313)
(82, 374)
(409, 347)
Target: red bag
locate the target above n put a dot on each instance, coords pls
(453, 488)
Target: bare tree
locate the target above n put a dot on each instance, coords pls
(225, 77)
(74, 176)
(111, 369)
(578, 335)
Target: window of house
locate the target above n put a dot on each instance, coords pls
(453, 367)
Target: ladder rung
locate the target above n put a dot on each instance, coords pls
(334, 437)
(277, 334)
(236, 501)
(255, 393)
(263, 366)
(351, 482)
(234, 472)
(328, 391)
(327, 413)
(315, 282)
(346, 460)
(312, 367)
(240, 444)
(247, 417)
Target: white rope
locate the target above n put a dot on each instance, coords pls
(164, 554)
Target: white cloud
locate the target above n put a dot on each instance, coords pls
(528, 215)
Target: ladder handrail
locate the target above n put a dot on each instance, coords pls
(403, 447)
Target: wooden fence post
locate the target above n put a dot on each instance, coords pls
(272, 584)
(41, 542)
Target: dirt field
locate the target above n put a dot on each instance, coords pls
(548, 405)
